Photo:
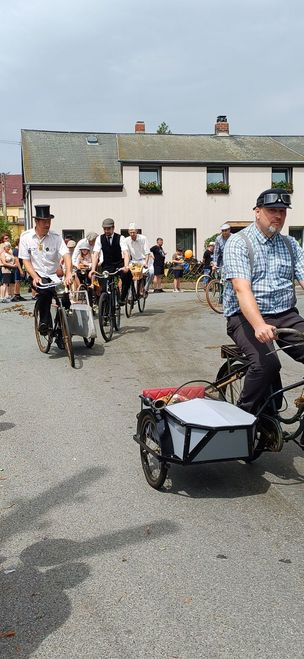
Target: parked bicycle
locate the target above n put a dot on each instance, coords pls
(108, 306)
(136, 292)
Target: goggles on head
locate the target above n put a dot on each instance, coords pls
(274, 198)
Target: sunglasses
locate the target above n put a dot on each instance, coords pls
(273, 198)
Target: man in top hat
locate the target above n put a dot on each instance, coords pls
(260, 265)
(220, 244)
(42, 251)
(110, 250)
(139, 251)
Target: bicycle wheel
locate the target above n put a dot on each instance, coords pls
(214, 295)
(129, 301)
(44, 342)
(155, 471)
(117, 310)
(105, 317)
(141, 298)
(88, 342)
(66, 335)
(232, 390)
(200, 287)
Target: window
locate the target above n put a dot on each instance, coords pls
(282, 178)
(72, 234)
(297, 233)
(186, 239)
(217, 179)
(150, 180)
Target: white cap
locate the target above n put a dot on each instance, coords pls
(225, 226)
(132, 226)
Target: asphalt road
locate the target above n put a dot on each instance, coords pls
(96, 564)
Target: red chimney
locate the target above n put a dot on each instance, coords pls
(221, 127)
(140, 127)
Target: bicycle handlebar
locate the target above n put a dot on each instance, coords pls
(105, 274)
(286, 330)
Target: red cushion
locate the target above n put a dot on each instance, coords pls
(191, 391)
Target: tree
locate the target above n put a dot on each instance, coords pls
(4, 226)
(163, 129)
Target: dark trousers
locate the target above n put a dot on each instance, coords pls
(264, 369)
(44, 303)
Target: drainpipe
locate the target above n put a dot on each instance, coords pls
(3, 195)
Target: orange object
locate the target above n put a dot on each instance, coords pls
(188, 254)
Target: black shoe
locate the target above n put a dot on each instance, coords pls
(43, 329)
(21, 299)
(16, 298)
(122, 302)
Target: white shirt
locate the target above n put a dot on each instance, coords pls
(97, 246)
(82, 244)
(139, 248)
(44, 253)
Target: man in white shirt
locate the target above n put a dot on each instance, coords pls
(41, 251)
(139, 251)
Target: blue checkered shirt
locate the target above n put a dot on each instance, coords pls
(218, 252)
(271, 278)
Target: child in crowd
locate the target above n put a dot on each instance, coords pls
(84, 259)
(178, 268)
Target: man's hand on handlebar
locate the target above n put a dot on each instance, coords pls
(68, 279)
(264, 332)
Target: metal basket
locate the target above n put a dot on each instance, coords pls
(79, 297)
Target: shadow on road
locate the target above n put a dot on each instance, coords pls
(34, 602)
(231, 480)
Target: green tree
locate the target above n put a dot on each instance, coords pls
(4, 226)
(163, 129)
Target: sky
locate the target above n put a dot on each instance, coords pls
(101, 65)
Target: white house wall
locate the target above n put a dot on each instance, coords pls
(183, 204)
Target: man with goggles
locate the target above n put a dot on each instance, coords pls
(260, 265)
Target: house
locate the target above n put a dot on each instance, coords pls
(179, 187)
(11, 203)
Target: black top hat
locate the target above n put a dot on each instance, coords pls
(43, 213)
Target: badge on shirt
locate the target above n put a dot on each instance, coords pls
(40, 247)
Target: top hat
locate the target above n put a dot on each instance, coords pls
(43, 213)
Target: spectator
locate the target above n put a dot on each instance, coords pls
(8, 263)
(208, 262)
(178, 268)
(17, 274)
(159, 264)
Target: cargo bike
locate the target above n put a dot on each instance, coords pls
(71, 315)
(199, 422)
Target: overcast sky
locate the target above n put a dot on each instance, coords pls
(101, 65)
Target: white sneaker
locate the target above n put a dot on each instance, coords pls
(174, 290)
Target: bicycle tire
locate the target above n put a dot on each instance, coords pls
(66, 335)
(232, 391)
(141, 299)
(214, 295)
(155, 470)
(129, 305)
(44, 342)
(88, 342)
(117, 310)
(200, 287)
(105, 317)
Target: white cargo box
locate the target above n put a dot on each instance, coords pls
(204, 430)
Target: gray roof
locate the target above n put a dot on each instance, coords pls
(51, 158)
(60, 158)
